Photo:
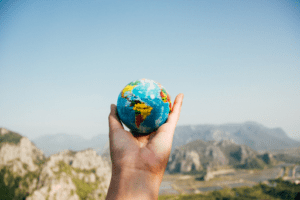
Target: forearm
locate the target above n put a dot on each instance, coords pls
(134, 185)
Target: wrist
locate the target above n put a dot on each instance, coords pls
(134, 184)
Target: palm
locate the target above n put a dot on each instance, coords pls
(141, 153)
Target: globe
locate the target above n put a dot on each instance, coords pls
(143, 106)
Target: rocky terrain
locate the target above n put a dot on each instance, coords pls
(80, 172)
(26, 173)
(290, 151)
(212, 155)
(291, 155)
(73, 175)
(20, 164)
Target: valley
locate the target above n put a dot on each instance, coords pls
(191, 184)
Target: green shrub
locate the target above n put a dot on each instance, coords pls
(10, 137)
(83, 188)
(9, 185)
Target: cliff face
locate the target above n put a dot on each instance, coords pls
(26, 173)
(17, 155)
(20, 163)
(184, 161)
(198, 155)
(73, 175)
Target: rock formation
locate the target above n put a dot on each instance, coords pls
(20, 163)
(212, 155)
(73, 175)
(185, 161)
(3, 131)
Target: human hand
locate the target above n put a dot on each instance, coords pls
(139, 161)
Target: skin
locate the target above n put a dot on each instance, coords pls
(139, 161)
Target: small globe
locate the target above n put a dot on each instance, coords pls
(143, 106)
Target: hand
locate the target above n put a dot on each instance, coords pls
(139, 162)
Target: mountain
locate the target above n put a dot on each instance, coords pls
(252, 134)
(25, 173)
(213, 155)
(52, 144)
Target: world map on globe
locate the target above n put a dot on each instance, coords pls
(143, 106)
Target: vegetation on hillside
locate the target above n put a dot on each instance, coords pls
(10, 137)
(12, 186)
(83, 189)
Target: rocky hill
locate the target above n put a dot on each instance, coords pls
(26, 173)
(290, 155)
(290, 151)
(73, 175)
(20, 164)
(252, 134)
(200, 155)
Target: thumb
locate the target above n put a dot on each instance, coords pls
(118, 137)
(113, 119)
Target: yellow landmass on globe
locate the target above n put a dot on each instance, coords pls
(127, 88)
(143, 109)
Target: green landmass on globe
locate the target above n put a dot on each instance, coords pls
(144, 105)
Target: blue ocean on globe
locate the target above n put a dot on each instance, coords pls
(143, 106)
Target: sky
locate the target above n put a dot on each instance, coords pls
(62, 63)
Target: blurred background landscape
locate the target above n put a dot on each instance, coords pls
(62, 63)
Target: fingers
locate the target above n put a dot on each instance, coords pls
(162, 141)
(174, 116)
(113, 119)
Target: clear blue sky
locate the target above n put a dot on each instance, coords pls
(62, 63)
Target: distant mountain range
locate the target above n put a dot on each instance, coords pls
(52, 144)
(252, 134)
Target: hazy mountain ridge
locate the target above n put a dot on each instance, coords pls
(55, 143)
(26, 173)
(251, 134)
